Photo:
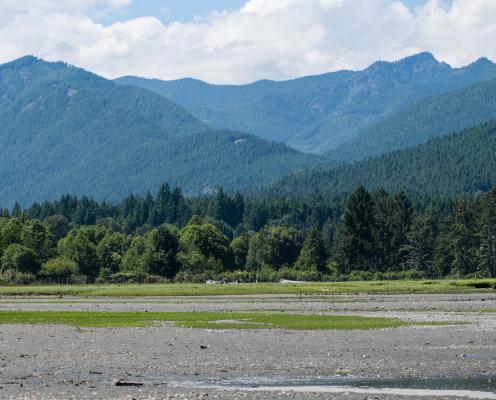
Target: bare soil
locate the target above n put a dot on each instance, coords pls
(61, 362)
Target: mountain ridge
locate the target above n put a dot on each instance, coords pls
(66, 130)
(431, 117)
(318, 113)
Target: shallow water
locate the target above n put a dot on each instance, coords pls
(472, 387)
(470, 383)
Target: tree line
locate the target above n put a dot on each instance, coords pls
(443, 167)
(168, 237)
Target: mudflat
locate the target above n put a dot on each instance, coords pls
(47, 361)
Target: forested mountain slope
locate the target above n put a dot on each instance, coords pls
(446, 166)
(435, 116)
(319, 113)
(64, 130)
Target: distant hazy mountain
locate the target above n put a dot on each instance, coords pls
(446, 166)
(319, 113)
(65, 130)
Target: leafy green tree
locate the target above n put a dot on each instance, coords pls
(37, 236)
(161, 248)
(110, 251)
(10, 233)
(94, 233)
(202, 247)
(19, 258)
(274, 247)
(195, 220)
(221, 226)
(59, 267)
(239, 249)
(313, 254)
(133, 260)
(78, 247)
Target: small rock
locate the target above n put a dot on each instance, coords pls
(120, 382)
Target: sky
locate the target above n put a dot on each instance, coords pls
(186, 10)
(240, 41)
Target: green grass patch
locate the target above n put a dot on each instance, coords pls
(477, 283)
(135, 290)
(442, 286)
(207, 320)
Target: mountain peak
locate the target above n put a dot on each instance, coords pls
(421, 62)
(424, 57)
(34, 63)
(25, 61)
(482, 62)
(415, 63)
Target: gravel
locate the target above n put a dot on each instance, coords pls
(61, 362)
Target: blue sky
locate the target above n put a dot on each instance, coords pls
(186, 10)
(172, 10)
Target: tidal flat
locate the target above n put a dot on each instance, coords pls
(426, 338)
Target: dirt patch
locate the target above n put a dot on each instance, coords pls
(60, 362)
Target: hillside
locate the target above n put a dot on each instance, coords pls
(432, 117)
(446, 166)
(64, 130)
(318, 113)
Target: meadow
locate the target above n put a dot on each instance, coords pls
(180, 289)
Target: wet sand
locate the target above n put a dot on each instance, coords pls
(61, 362)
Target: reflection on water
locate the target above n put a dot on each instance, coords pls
(471, 383)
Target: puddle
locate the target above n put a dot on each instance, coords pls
(473, 388)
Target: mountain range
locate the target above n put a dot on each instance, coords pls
(67, 130)
(319, 113)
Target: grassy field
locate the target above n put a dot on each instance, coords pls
(434, 286)
(207, 320)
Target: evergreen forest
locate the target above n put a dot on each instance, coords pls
(167, 237)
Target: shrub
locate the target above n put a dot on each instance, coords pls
(59, 267)
(17, 278)
(19, 258)
(132, 277)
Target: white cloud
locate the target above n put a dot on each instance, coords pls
(275, 39)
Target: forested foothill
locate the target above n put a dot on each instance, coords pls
(168, 237)
(444, 167)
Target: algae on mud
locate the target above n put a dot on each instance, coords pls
(207, 320)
